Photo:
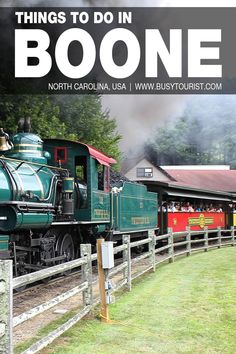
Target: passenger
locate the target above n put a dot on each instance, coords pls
(232, 207)
(189, 208)
(198, 208)
(163, 208)
(205, 207)
(172, 207)
(183, 208)
(177, 207)
(211, 208)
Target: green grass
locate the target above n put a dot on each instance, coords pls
(186, 307)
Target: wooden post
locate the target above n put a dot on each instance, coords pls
(101, 278)
(127, 258)
(171, 243)
(153, 244)
(188, 239)
(85, 251)
(232, 235)
(206, 239)
(6, 303)
(151, 249)
(219, 235)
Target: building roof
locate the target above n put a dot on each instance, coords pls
(202, 177)
(130, 162)
(196, 167)
(217, 180)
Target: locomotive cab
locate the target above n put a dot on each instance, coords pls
(90, 169)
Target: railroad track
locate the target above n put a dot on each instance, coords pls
(21, 291)
(43, 292)
(47, 289)
(75, 275)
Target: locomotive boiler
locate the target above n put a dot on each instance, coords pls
(56, 194)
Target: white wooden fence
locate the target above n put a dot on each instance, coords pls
(172, 245)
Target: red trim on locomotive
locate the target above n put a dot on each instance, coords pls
(60, 154)
(99, 156)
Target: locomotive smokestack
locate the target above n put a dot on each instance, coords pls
(24, 125)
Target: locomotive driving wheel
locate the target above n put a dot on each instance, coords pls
(65, 246)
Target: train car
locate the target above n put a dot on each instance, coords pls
(208, 208)
(56, 194)
(197, 221)
(134, 209)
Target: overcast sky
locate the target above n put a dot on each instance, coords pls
(139, 115)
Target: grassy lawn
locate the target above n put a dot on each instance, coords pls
(186, 307)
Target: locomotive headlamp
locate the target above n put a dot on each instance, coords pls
(5, 143)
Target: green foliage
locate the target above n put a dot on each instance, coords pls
(194, 140)
(87, 122)
(68, 116)
(43, 113)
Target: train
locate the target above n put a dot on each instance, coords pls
(56, 194)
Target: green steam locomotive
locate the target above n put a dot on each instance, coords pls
(56, 194)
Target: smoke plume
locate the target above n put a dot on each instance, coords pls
(138, 116)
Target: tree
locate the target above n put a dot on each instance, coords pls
(43, 113)
(188, 141)
(175, 144)
(87, 122)
(66, 116)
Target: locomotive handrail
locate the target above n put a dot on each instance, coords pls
(34, 163)
(15, 190)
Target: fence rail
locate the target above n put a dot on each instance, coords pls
(159, 249)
